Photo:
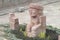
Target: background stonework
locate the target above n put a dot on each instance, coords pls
(12, 3)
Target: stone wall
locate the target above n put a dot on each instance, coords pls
(12, 3)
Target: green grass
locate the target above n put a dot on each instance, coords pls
(21, 35)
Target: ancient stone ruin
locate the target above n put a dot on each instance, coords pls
(14, 22)
(37, 23)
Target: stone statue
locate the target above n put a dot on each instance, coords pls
(14, 22)
(37, 23)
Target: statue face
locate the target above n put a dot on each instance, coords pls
(33, 12)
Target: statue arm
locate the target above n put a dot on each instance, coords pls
(35, 27)
(28, 30)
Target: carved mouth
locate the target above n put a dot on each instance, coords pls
(34, 16)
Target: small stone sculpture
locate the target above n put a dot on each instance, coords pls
(14, 22)
(37, 23)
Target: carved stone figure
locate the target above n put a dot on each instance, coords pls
(14, 22)
(37, 23)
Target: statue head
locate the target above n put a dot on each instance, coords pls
(35, 9)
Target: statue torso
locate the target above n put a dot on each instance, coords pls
(35, 20)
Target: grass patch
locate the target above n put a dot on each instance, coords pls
(21, 34)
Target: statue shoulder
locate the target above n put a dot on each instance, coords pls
(42, 16)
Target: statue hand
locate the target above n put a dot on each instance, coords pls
(35, 27)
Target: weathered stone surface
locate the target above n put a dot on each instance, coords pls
(14, 23)
(12, 3)
(43, 23)
(37, 23)
(58, 37)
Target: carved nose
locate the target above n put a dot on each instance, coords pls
(33, 12)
